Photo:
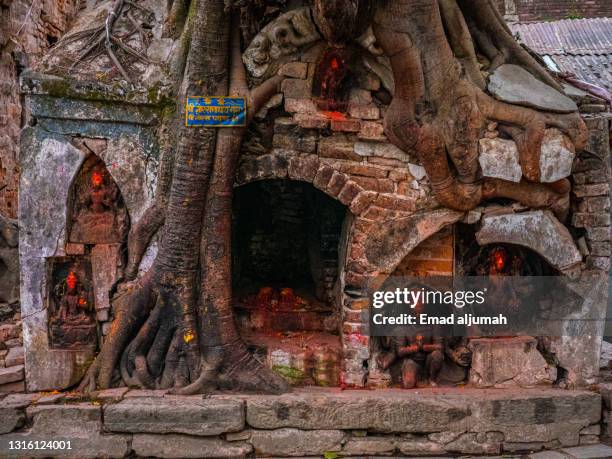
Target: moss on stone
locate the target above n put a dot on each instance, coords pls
(288, 372)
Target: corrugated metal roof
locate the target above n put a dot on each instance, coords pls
(580, 46)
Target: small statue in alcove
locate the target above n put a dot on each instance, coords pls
(74, 306)
(425, 355)
(72, 324)
(418, 355)
(429, 357)
(99, 215)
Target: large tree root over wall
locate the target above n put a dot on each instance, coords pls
(440, 110)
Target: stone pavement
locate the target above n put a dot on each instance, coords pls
(309, 422)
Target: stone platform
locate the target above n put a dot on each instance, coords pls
(308, 422)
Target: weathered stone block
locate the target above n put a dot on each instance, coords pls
(284, 125)
(296, 442)
(556, 157)
(9, 331)
(365, 170)
(420, 446)
(349, 192)
(362, 202)
(296, 88)
(369, 446)
(371, 130)
(600, 263)
(11, 374)
(312, 121)
(12, 415)
(300, 105)
(598, 234)
(81, 424)
(538, 230)
(183, 446)
(338, 148)
(381, 150)
(163, 415)
(499, 158)
(600, 189)
(303, 167)
(589, 452)
(346, 125)
(323, 176)
(50, 399)
(295, 70)
(105, 260)
(397, 411)
(302, 143)
(509, 362)
(598, 204)
(582, 220)
(364, 112)
(336, 183)
(417, 171)
(515, 85)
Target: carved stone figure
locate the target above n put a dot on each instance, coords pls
(278, 41)
(73, 305)
(99, 216)
(72, 324)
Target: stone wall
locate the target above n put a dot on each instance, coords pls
(433, 257)
(306, 423)
(27, 30)
(65, 134)
(547, 10)
(11, 338)
(11, 349)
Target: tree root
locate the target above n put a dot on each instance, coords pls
(102, 39)
(440, 110)
(535, 195)
(130, 308)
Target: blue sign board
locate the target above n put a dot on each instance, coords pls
(215, 111)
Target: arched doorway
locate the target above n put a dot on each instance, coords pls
(286, 246)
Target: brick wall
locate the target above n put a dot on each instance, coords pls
(27, 29)
(545, 10)
(432, 257)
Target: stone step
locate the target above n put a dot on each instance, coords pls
(598, 451)
(311, 422)
(193, 416)
(11, 374)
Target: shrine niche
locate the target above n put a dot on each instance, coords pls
(286, 251)
(98, 213)
(333, 80)
(72, 323)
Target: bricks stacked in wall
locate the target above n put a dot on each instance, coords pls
(346, 155)
(591, 196)
(11, 349)
(27, 29)
(547, 10)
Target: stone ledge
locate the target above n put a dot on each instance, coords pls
(424, 410)
(307, 422)
(188, 415)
